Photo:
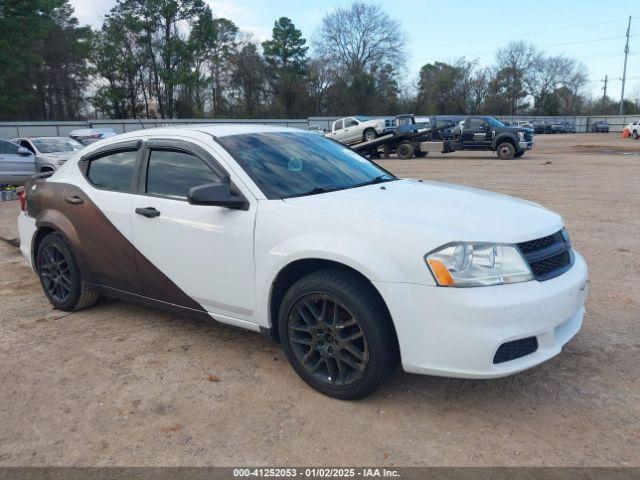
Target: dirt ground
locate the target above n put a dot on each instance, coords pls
(126, 385)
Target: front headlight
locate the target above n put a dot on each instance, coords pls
(477, 264)
(521, 136)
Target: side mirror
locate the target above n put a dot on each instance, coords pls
(24, 151)
(217, 194)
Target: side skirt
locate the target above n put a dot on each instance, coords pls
(172, 307)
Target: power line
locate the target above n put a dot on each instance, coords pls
(539, 32)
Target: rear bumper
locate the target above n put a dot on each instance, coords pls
(27, 229)
(455, 332)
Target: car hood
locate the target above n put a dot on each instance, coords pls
(447, 212)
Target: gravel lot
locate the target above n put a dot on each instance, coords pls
(120, 384)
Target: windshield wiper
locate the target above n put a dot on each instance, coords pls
(379, 179)
(314, 191)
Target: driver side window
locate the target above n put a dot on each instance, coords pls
(172, 173)
(477, 124)
(350, 122)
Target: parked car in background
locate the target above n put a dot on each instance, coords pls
(50, 152)
(519, 123)
(601, 126)
(17, 164)
(317, 129)
(556, 126)
(350, 130)
(539, 126)
(89, 135)
(276, 230)
(569, 127)
(634, 129)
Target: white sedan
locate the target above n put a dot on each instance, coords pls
(281, 231)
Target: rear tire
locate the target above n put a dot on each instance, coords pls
(60, 276)
(405, 151)
(505, 151)
(337, 334)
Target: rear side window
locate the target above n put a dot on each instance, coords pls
(113, 171)
(172, 173)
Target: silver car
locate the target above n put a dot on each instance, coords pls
(50, 152)
(17, 164)
(89, 135)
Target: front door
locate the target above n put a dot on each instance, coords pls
(476, 133)
(207, 251)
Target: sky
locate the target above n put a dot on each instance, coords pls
(591, 31)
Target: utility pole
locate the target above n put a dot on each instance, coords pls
(624, 71)
(604, 95)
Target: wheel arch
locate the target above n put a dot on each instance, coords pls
(52, 221)
(297, 269)
(504, 138)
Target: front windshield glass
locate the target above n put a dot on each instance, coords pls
(494, 123)
(55, 145)
(290, 164)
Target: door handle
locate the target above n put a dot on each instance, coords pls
(73, 199)
(148, 212)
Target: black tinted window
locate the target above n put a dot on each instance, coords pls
(114, 171)
(8, 148)
(172, 173)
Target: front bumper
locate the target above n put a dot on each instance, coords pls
(525, 145)
(455, 332)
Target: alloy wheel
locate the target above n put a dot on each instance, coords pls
(328, 340)
(55, 272)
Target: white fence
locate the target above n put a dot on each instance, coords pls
(41, 129)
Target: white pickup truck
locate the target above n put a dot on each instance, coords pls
(350, 130)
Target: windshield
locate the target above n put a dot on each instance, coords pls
(494, 123)
(55, 145)
(289, 164)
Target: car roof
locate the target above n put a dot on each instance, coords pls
(216, 130)
(44, 138)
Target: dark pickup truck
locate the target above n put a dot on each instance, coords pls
(487, 133)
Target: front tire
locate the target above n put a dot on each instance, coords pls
(60, 276)
(506, 151)
(337, 334)
(369, 134)
(635, 134)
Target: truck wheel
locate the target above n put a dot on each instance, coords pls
(635, 135)
(369, 134)
(405, 151)
(337, 334)
(505, 151)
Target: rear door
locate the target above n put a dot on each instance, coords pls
(15, 168)
(337, 130)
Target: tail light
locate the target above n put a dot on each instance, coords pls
(23, 199)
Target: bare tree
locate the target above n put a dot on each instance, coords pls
(546, 75)
(514, 64)
(360, 37)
